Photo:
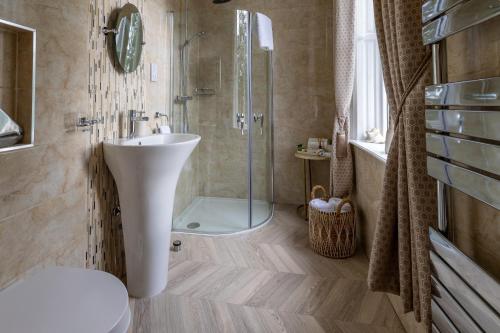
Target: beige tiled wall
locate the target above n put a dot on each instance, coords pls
(369, 178)
(25, 84)
(188, 186)
(8, 56)
(43, 190)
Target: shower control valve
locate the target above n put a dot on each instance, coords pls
(240, 119)
(182, 99)
(259, 117)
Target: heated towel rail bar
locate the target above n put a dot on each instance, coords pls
(463, 145)
(481, 93)
(464, 15)
(472, 290)
(478, 124)
(433, 8)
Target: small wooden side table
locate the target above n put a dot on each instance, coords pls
(307, 158)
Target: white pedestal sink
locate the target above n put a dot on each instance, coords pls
(146, 171)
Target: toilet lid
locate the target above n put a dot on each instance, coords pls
(61, 299)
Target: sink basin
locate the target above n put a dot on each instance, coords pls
(146, 171)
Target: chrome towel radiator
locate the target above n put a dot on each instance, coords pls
(463, 145)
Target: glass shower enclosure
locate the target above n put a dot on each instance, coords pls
(224, 94)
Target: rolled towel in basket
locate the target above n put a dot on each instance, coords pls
(330, 206)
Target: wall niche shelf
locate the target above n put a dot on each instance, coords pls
(17, 80)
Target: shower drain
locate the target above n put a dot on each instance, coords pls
(194, 225)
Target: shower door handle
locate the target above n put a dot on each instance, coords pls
(240, 119)
(256, 118)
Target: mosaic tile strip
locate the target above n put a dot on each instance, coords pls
(111, 95)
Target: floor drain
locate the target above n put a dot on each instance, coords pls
(176, 245)
(194, 225)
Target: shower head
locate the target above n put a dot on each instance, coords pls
(194, 36)
(220, 1)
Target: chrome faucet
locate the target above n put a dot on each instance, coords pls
(133, 117)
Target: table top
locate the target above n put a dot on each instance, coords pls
(305, 156)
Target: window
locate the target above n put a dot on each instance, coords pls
(370, 107)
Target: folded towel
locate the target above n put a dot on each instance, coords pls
(8, 126)
(330, 206)
(265, 32)
(10, 132)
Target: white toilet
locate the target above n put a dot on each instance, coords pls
(65, 300)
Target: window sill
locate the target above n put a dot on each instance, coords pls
(376, 150)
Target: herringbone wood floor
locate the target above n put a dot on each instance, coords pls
(265, 281)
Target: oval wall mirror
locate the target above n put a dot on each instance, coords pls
(128, 38)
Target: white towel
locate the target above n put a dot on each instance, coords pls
(265, 32)
(165, 129)
(330, 206)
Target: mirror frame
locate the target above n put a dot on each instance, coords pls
(127, 57)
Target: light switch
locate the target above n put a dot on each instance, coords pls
(154, 72)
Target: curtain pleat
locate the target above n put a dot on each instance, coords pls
(399, 261)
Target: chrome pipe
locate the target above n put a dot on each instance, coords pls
(436, 64)
(437, 78)
(442, 207)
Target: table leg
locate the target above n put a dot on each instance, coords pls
(305, 206)
(310, 178)
(308, 194)
(307, 165)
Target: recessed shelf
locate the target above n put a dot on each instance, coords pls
(17, 79)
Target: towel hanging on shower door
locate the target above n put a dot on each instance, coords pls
(265, 32)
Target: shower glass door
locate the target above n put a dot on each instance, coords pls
(213, 193)
(261, 136)
(224, 93)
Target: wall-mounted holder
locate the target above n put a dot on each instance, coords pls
(87, 124)
(18, 83)
(106, 31)
(159, 115)
(204, 91)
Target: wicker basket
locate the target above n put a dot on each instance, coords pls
(333, 234)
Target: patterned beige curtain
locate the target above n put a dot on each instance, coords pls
(400, 261)
(341, 170)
